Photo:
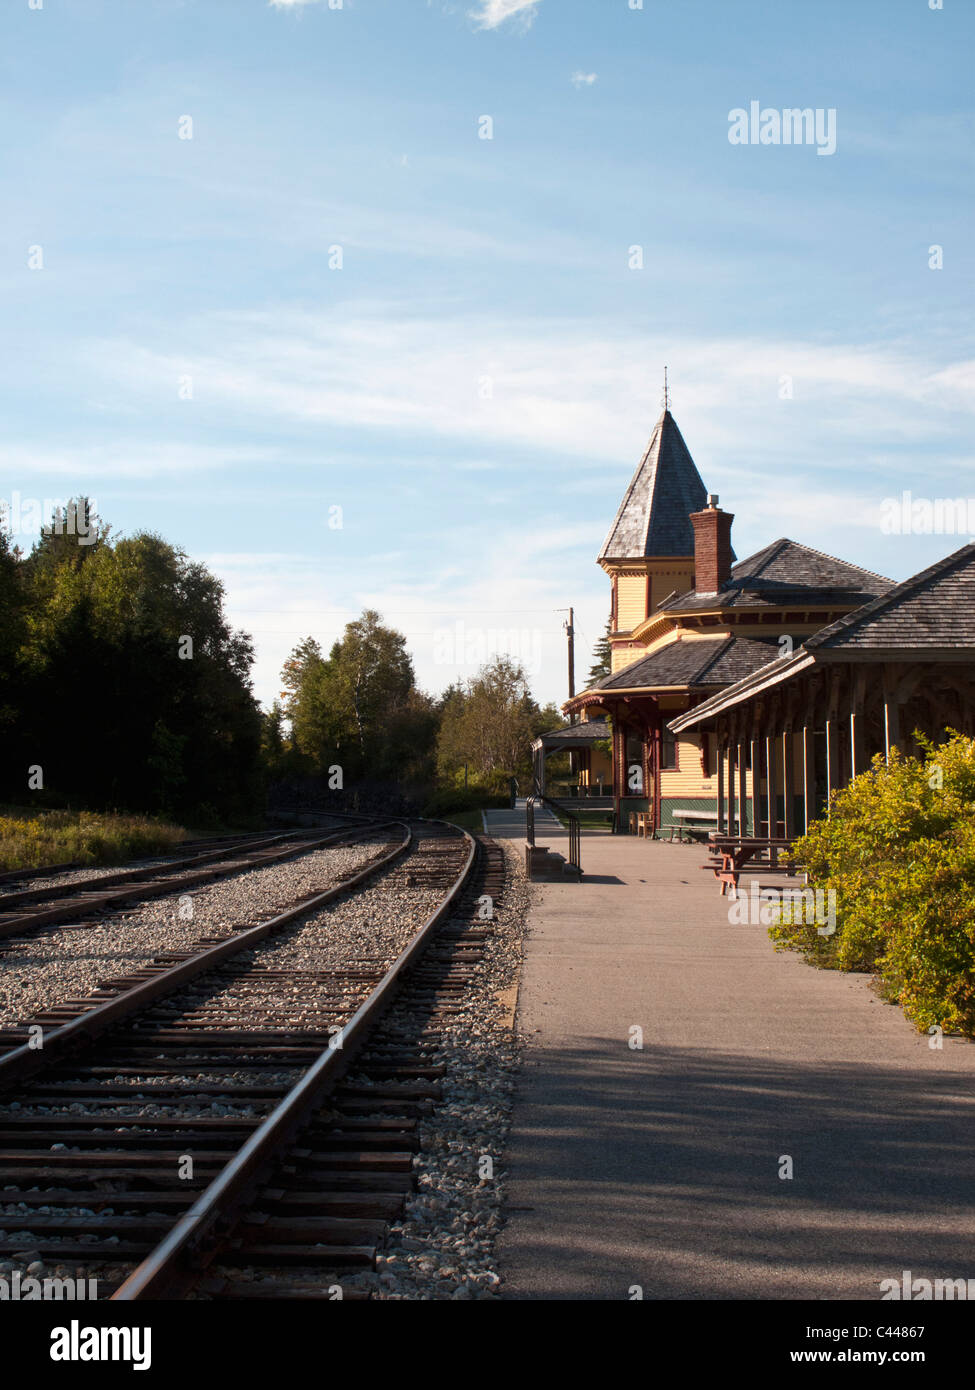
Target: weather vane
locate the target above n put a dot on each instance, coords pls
(666, 399)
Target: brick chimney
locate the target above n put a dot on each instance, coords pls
(712, 547)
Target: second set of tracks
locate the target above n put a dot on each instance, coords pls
(63, 899)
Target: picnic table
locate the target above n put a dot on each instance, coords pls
(731, 854)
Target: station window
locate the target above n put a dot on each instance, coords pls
(669, 761)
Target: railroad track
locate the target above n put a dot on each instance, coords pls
(203, 1116)
(25, 910)
(183, 848)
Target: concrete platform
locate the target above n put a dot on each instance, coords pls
(660, 1167)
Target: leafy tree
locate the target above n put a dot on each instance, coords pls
(359, 708)
(296, 668)
(12, 632)
(134, 690)
(491, 723)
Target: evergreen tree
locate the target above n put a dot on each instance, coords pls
(602, 659)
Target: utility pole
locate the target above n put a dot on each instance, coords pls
(570, 634)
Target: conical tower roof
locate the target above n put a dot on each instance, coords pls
(654, 516)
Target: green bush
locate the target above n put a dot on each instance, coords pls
(451, 800)
(898, 849)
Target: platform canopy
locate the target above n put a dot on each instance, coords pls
(899, 666)
(573, 737)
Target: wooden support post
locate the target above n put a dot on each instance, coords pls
(656, 805)
(719, 753)
(892, 710)
(808, 775)
(619, 771)
(756, 748)
(742, 791)
(859, 760)
(771, 784)
(788, 781)
(832, 757)
(833, 770)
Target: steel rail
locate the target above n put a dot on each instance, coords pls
(185, 851)
(171, 1264)
(158, 883)
(182, 847)
(26, 1061)
(166, 863)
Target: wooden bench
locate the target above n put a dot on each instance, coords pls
(732, 854)
(679, 815)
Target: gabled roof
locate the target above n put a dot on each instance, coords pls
(787, 574)
(935, 608)
(717, 660)
(653, 518)
(932, 615)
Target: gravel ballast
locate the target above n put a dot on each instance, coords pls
(444, 1248)
(53, 964)
(444, 1245)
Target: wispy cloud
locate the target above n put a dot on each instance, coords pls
(567, 387)
(583, 79)
(134, 459)
(491, 13)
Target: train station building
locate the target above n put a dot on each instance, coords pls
(743, 691)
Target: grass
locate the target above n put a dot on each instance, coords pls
(36, 839)
(588, 820)
(467, 820)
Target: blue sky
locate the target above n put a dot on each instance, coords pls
(475, 384)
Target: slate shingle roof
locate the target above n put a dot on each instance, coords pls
(933, 609)
(653, 518)
(787, 574)
(718, 660)
(582, 734)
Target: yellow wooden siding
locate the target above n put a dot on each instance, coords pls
(666, 580)
(631, 601)
(688, 780)
(625, 656)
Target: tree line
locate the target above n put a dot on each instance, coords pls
(122, 684)
(357, 719)
(124, 687)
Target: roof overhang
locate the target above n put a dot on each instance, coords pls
(585, 700)
(560, 740)
(772, 610)
(782, 669)
(787, 668)
(950, 656)
(652, 690)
